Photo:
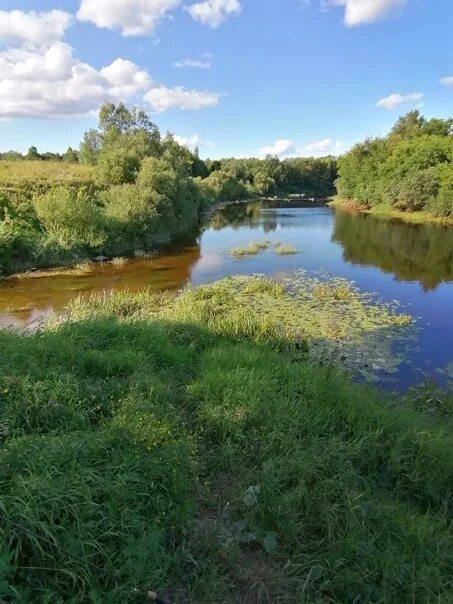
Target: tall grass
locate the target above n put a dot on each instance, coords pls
(150, 442)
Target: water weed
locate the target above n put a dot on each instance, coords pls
(283, 249)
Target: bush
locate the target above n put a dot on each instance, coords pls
(116, 165)
(70, 219)
(128, 215)
(416, 191)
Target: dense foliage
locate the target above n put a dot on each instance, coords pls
(127, 189)
(409, 170)
(190, 445)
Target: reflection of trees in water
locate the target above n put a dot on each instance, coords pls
(243, 215)
(411, 252)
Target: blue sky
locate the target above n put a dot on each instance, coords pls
(286, 76)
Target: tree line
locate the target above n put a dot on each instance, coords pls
(410, 169)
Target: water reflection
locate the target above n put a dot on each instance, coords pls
(27, 300)
(410, 252)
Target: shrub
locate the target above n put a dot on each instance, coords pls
(70, 219)
(417, 190)
(117, 165)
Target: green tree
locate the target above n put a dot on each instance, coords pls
(33, 154)
(71, 156)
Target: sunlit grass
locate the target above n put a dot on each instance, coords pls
(119, 261)
(285, 249)
(251, 249)
(82, 268)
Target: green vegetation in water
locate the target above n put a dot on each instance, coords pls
(254, 247)
(325, 319)
(283, 249)
(408, 171)
(119, 261)
(251, 249)
(187, 442)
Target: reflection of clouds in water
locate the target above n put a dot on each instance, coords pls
(210, 260)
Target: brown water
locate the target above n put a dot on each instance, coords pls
(413, 264)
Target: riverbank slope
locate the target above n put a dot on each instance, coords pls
(189, 443)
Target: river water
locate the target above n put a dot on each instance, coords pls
(412, 264)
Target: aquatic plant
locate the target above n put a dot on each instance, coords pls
(119, 261)
(251, 249)
(285, 249)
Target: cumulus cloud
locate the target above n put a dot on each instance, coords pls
(51, 83)
(41, 78)
(33, 28)
(214, 12)
(203, 63)
(162, 98)
(131, 17)
(325, 146)
(280, 148)
(359, 12)
(447, 81)
(395, 100)
(188, 141)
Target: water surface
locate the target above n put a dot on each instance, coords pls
(409, 263)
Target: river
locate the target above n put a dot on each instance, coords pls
(412, 264)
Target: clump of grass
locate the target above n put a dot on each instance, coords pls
(246, 250)
(79, 269)
(283, 249)
(262, 245)
(119, 261)
(251, 249)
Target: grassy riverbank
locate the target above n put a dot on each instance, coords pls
(387, 212)
(188, 442)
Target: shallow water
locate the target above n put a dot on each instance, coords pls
(412, 264)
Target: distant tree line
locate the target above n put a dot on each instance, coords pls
(70, 156)
(410, 169)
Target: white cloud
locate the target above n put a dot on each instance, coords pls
(126, 79)
(188, 141)
(214, 12)
(132, 17)
(359, 12)
(325, 146)
(33, 28)
(196, 63)
(41, 78)
(51, 83)
(161, 98)
(395, 100)
(447, 81)
(280, 148)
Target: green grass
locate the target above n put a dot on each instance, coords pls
(188, 443)
(285, 249)
(254, 247)
(251, 249)
(387, 212)
(34, 173)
